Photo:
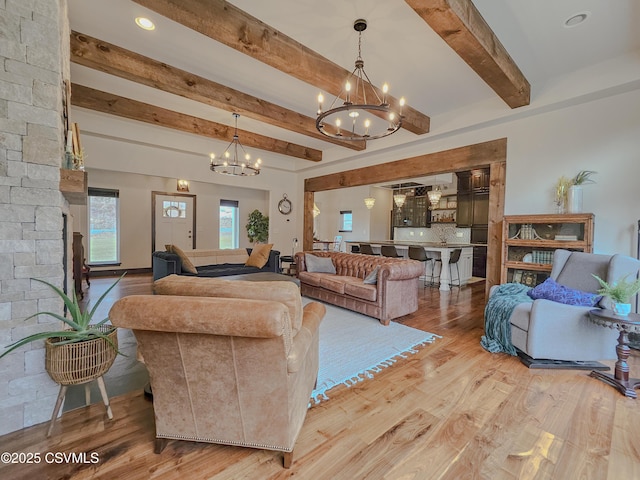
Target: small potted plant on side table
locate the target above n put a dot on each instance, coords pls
(620, 293)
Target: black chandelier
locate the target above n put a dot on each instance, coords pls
(229, 163)
(351, 116)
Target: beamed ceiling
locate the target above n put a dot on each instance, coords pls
(268, 60)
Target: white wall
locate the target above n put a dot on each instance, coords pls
(136, 211)
(380, 214)
(137, 169)
(602, 135)
(367, 224)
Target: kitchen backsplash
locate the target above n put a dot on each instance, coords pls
(437, 233)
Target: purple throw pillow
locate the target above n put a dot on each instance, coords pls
(551, 290)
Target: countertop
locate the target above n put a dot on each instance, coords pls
(405, 243)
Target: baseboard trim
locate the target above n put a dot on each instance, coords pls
(119, 271)
(560, 364)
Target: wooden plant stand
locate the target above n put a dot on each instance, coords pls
(87, 392)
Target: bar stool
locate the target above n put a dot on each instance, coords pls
(366, 249)
(419, 254)
(453, 260)
(389, 251)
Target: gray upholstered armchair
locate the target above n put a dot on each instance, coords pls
(555, 331)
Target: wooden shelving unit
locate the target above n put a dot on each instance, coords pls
(526, 236)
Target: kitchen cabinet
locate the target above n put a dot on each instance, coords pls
(414, 213)
(473, 198)
(465, 264)
(464, 211)
(479, 261)
(480, 180)
(480, 209)
(464, 182)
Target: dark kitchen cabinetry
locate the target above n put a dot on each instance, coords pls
(464, 211)
(473, 198)
(480, 180)
(480, 209)
(479, 261)
(415, 211)
(464, 182)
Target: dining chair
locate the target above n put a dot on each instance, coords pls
(389, 251)
(366, 249)
(453, 260)
(420, 254)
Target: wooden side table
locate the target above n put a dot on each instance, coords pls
(291, 265)
(625, 325)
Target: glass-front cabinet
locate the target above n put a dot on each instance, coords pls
(529, 241)
(415, 210)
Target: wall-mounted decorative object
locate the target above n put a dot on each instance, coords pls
(183, 185)
(284, 205)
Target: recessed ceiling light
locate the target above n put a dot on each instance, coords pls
(145, 23)
(576, 19)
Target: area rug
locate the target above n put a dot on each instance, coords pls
(354, 347)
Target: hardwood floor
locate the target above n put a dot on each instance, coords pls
(451, 411)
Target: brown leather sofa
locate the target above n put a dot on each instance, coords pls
(230, 362)
(395, 294)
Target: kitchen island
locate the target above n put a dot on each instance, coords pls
(443, 251)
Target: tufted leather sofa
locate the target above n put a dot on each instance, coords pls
(395, 294)
(230, 362)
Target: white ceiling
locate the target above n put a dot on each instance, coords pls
(398, 47)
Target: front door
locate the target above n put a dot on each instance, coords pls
(174, 220)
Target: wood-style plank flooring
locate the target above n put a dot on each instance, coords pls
(451, 411)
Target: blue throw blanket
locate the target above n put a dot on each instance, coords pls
(497, 329)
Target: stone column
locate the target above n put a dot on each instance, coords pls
(34, 59)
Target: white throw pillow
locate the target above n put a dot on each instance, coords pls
(319, 264)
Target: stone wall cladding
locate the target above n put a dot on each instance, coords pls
(34, 59)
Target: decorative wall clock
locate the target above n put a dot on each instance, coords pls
(284, 205)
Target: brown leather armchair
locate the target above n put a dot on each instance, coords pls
(230, 362)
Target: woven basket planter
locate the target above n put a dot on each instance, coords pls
(81, 362)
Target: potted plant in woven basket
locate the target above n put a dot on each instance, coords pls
(84, 351)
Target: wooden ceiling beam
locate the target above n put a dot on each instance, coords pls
(94, 53)
(454, 160)
(104, 102)
(460, 24)
(227, 24)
